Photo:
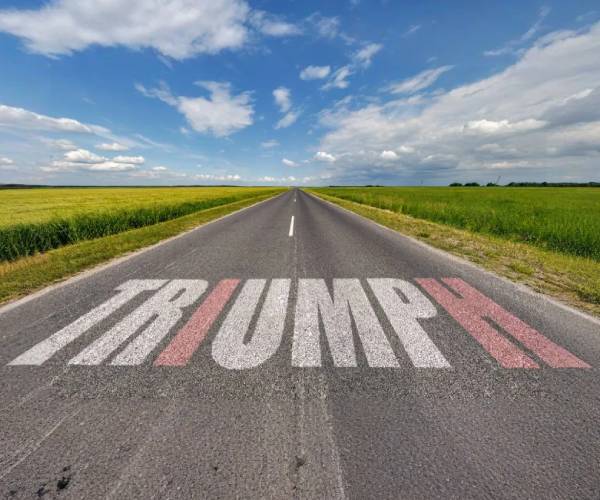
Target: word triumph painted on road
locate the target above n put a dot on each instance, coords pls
(133, 339)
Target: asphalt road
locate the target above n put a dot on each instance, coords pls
(226, 364)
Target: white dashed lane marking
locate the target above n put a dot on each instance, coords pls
(291, 227)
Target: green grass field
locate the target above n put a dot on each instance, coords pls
(565, 220)
(38, 220)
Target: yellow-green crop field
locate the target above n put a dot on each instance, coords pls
(37, 220)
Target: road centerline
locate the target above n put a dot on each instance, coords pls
(291, 233)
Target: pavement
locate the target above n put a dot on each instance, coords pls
(297, 350)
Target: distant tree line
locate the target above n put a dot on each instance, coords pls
(530, 184)
(20, 186)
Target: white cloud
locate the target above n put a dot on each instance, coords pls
(533, 30)
(490, 127)
(112, 146)
(84, 160)
(155, 174)
(507, 49)
(160, 168)
(277, 180)
(20, 118)
(339, 79)
(388, 155)
(146, 142)
(63, 144)
(174, 28)
(105, 166)
(289, 163)
(418, 82)
(326, 27)
(272, 143)
(221, 114)
(292, 179)
(134, 160)
(315, 72)
(83, 156)
(324, 156)
(361, 59)
(411, 30)
(288, 119)
(272, 25)
(539, 119)
(365, 55)
(283, 100)
(216, 177)
(111, 166)
(7, 165)
(512, 46)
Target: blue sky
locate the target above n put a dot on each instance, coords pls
(305, 93)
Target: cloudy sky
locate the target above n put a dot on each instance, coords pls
(298, 92)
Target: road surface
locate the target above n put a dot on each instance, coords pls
(296, 350)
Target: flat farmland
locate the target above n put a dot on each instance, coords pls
(565, 220)
(37, 220)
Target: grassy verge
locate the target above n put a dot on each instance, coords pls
(26, 275)
(573, 280)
